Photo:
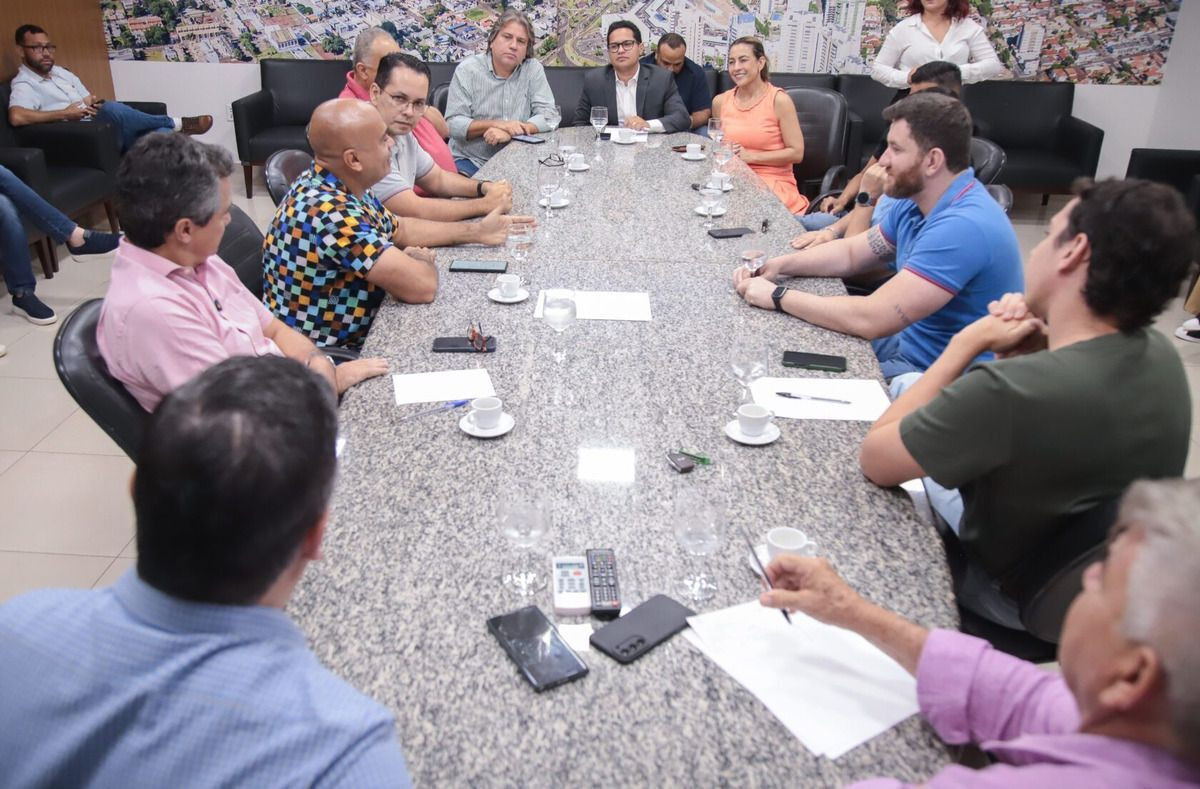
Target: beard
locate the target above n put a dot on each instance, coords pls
(905, 184)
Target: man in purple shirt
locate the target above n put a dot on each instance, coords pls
(1126, 709)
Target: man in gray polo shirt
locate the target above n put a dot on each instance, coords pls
(497, 94)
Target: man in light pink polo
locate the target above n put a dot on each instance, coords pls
(173, 308)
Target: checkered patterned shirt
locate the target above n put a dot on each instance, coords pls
(318, 250)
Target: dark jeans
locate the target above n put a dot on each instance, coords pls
(15, 199)
(466, 166)
(132, 123)
(891, 361)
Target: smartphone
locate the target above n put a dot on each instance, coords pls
(481, 266)
(604, 136)
(461, 345)
(529, 138)
(534, 644)
(728, 232)
(642, 629)
(814, 361)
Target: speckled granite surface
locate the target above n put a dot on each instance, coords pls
(413, 553)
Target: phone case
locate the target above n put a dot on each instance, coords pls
(460, 345)
(480, 266)
(642, 629)
(728, 232)
(529, 138)
(814, 361)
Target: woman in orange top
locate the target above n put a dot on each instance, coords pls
(760, 123)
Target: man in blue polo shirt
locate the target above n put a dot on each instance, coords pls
(950, 243)
(671, 54)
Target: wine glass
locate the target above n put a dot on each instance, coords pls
(549, 180)
(716, 131)
(524, 521)
(566, 151)
(558, 311)
(599, 119)
(753, 259)
(553, 116)
(709, 197)
(520, 241)
(721, 154)
(699, 525)
(748, 363)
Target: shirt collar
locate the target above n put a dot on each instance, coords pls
(353, 86)
(1096, 751)
(491, 66)
(152, 261)
(24, 69)
(172, 614)
(330, 181)
(632, 80)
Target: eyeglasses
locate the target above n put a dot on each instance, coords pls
(622, 46)
(51, 48)
(403, 103)
(479, 341)
(553, 160)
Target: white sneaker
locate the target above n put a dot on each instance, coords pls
(1191, 324)
(3, 351)
(1189, 331)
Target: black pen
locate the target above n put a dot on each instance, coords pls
(761, 569)
(791, 396)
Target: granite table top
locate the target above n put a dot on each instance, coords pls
(414, 552)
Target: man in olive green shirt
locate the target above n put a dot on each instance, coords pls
(1085, 397)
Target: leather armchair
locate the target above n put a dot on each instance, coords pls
(566, 83)
(867, 99)
(824, 118)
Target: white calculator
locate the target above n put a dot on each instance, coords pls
(572, 591)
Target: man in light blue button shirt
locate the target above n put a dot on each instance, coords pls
(188, 672)
(497, 94)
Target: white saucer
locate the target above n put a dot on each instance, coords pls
(494, 295)
(760, 550)
(623, 142)
(766, 437)
(563, 203)
(697, 158)
(506, 424)
(579, 169)
(718, 211)
(726, 188)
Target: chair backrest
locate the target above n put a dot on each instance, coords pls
(1019, 114)
(987, 158)
(282, 168)
(439, 95)
(439, 74)
(713, 78)
(867, 99)
(787, 79)
(83, 372)
(8, 138)
(825, 121)
(1002, 195)
(242, 248)
(298, 86)
(566, 83)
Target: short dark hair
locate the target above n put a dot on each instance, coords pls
(936, 121)
(1143, 243)
(672, 40)
(399, 60)
(235, 467)
(24, 30)
(624, 23)
(167, 177)
(942, 73)
(955, 9)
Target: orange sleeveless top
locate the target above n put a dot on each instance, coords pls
(757, 129)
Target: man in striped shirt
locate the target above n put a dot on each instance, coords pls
(497, 94)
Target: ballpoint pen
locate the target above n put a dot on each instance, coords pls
(450, 406)
(763, 570)
(791, 396)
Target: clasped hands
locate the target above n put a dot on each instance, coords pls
(1009, 329)
(503, 131)
(757, 288)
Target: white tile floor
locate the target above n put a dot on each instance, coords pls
(66, 515)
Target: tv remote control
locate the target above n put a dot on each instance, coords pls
(602, 573)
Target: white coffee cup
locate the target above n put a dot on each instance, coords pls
(576, 161)
(509, 284)
(625, 134)
(719, 180)
(693, 149)
(786, 540)
(485, 412)
(753, 419)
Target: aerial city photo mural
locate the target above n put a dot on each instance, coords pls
(1097, 41)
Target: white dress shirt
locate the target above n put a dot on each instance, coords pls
(910, 44)
(627, 101)
(55, 91)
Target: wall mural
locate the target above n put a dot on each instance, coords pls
(1098, 41)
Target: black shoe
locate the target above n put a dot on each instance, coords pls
(31, 308)
(95, 243)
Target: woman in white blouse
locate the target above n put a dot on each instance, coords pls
(936, 30)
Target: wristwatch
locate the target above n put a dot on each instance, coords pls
(777, 297)
(864, 198)
(479, 188)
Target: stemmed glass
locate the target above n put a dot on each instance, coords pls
(520, 241)
(699, 524)
(716, 131)
(753, 259)
(709, 196)
(748, 363)
(549, 180)
(524, 523)
(553, 116)
(721, 155)
(599, 119)
(566, 151)
(558, 311)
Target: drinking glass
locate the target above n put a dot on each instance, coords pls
(709, 197)
(549, 179)
(699, 524)
(716, 131)
(748, 363)
(553, 116)
(566, 151)
(599, 120)
(558, 311)
(721, 154)
(753, 259)
(524, 521)
(520, 241)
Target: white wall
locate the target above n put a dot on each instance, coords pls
(1124, 112)
(1177, 118)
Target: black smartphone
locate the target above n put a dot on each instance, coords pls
(728, 232)
(642, 629)
(814, 361)
(534, 644)
(461, 345)
(529, 138)
(480, 266)
(605, 136)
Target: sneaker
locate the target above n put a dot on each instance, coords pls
(3, 351)
(31, 308)
(95, 243)
(1183, 333)
(196, 124)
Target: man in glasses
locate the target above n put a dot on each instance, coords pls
(43, 93)
(639, 95)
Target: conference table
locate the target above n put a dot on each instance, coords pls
(414, 552)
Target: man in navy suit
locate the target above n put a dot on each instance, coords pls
(641, 96)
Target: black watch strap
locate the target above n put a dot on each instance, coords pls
(777, 297)
(479, 188)
(864, 198)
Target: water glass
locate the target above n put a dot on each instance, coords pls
(599, 119)
(748, 363)
(553, 116)
(524, 521)
(699, 525)
(520, 241)
(549, 180)
(558, 311)
(709, 198)
(716, 131)
(721, 155)
(753, 259)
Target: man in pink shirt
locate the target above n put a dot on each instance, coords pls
(1126, 709)
(173, 308)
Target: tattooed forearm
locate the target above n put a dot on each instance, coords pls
(880, 247)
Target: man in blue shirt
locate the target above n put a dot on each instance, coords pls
(671, 54)
(953, 248)
(188, 672)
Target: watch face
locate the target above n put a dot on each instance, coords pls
(863, 198)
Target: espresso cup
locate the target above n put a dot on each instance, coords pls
(719, 180)
(509, 284)
(576, 161)
(693, 149)
(786, 540)
(485, 412)
(625, 134)
(753, 419)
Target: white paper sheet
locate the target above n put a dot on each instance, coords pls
(639, 136)
(442, 386)
(578, 637)
(605, 305)
(830, 687)
(867, 399)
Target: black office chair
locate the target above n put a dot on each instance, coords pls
(439, 96)
(1002, 195)
(85, 375)
(824, 119)
(987, 158)
(282, 168)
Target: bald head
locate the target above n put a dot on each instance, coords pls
(350, 139)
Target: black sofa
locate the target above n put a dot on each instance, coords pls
(1176, 167)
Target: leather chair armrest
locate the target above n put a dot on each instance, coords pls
(251, 114)
(83, 144)
(148, 107)
(836, 177)
(28, 164)
(854, 143)
(1080, 141)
